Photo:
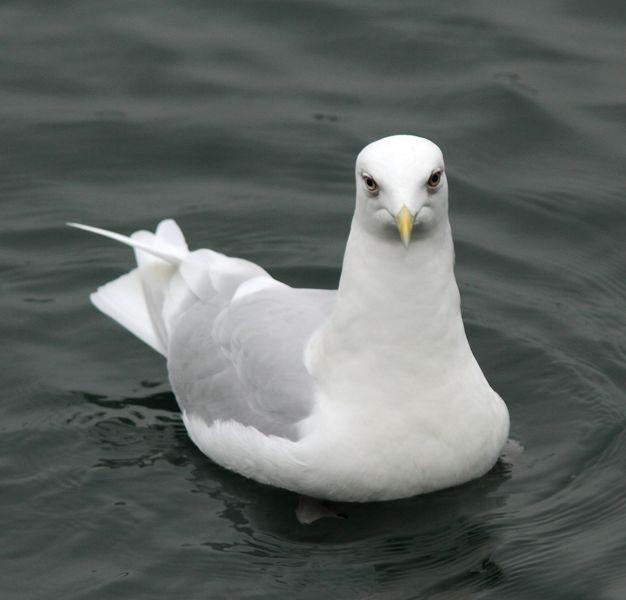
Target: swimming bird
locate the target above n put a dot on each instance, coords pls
(368, 392)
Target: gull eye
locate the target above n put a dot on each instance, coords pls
(370, 183)
(435, 179)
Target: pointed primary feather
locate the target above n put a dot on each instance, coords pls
(164, 249)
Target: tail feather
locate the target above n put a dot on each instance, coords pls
(168, 231)
(136, 300)
(155, 275)
(123, 300)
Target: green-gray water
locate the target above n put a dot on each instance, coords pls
(241, 120)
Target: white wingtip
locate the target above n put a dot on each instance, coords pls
(163, 250)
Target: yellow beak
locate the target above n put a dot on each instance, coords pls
(404, 221)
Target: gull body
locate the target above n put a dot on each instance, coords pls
(369, 392)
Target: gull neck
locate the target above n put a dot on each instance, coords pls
(397, 311)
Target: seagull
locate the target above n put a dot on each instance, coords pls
(365, 393)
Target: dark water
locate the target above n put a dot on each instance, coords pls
(241, 120)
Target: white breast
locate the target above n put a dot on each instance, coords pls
(373, 451)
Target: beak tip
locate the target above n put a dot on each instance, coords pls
(404, 221)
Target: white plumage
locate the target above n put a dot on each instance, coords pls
(370, 392)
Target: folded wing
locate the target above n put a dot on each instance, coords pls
(234, 337)
(243, 361)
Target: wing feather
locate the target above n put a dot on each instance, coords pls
(243, 361)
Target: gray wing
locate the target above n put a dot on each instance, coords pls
(244, 361)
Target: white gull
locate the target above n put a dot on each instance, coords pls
(369, 392)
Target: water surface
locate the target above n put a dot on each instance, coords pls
(241, 120)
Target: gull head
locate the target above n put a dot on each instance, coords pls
(401, 188)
